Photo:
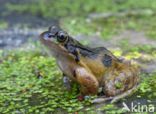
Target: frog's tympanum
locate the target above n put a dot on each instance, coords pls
(92, 68)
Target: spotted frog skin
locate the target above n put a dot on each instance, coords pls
(92, 68)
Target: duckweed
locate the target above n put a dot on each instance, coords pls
(30, 82)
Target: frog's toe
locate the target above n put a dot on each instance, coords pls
(67, 83)
(87, 97)
(80, 97)
(102, 100)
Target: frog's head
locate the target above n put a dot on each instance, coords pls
(54, 35)
(54, 39)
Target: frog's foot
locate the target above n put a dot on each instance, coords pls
(115, 98)
(127, 93)
(67, 82)
(101, 100)
(82, 97)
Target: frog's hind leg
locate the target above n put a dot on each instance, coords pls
(119, 84)
(88, 82)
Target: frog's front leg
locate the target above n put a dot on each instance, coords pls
(73, 50)
(67, 82)
(77, 55)
(89, 84)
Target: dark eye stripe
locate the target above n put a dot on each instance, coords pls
(47, 35)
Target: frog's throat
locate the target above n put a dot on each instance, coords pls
(55, 49)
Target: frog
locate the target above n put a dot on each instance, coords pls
(96, 70)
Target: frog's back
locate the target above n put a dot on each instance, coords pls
(99, 53)
(98, 60)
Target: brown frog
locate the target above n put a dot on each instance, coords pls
(93, 69)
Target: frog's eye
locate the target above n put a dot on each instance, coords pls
(47, 35)
(62, 36)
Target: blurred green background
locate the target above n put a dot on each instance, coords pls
(126, 27)
(121, 14)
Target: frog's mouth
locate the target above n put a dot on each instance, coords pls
(48, 37)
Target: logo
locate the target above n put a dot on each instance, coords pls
(138, 107)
